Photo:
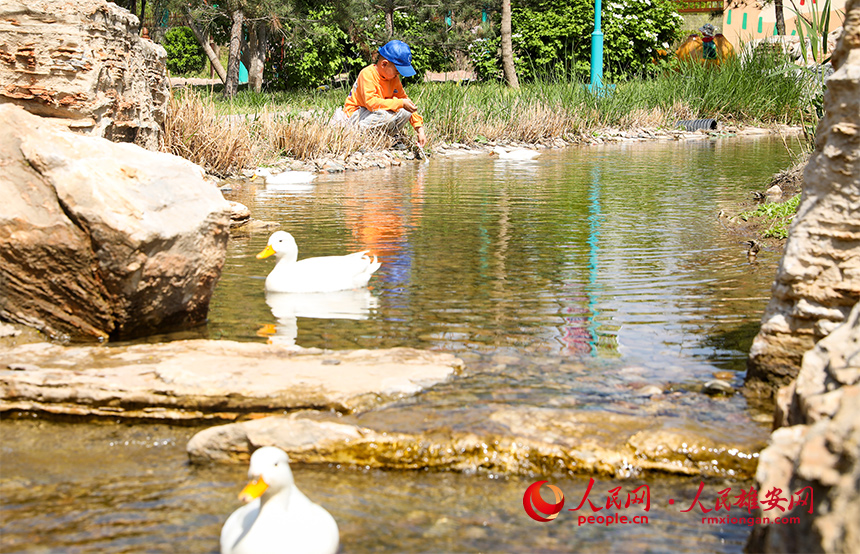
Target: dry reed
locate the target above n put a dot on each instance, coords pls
(194, 131)
(309, 138)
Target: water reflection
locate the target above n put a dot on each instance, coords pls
(612, 252)
(288, 307)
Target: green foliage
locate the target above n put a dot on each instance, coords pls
(634, 30)
(184, 54)
(311, 55)
(418, 34)
(553, 38)
(485, 58)
(780, 214)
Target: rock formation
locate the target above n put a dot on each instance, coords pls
(201, 379)
(817, 445)
(103, 239)
(82, 60)
(818, 280)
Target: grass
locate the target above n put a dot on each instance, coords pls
(760, 92)
(779, 215)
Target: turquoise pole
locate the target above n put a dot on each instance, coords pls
(596, 50)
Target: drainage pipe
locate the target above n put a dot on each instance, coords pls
(696, 124)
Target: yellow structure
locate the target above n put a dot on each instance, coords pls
(746, 20)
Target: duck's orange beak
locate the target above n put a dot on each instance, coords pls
(268, 251)
(252, 490)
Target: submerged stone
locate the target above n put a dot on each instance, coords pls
(499, 440)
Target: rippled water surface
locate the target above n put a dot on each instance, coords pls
(572, 280)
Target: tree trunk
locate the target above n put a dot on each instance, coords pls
(389, 20)
(204, 43)
(508, 46)
(231, 85)
(780, 17)
(254, 55)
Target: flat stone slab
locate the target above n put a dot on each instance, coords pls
(503, 440)
(203, 379)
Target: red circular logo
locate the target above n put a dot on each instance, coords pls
(535, 505)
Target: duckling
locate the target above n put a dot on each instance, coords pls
(753, 247)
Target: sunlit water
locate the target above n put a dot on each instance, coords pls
(572, 280)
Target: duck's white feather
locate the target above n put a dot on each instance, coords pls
(285, 177)
(283, 519)
(322, 274)
(515, 154)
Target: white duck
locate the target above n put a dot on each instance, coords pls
(323, 274)
(284, 177)
(515, 153)
(278, 517)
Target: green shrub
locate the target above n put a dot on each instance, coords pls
(184, 54)
(778, 214)
(552, 38)
(310, 55)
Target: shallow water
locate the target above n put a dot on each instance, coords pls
(572, 280)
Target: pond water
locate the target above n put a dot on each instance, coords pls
(571, 280)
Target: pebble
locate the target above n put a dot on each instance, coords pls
(648, 390)
(717, 386)
(725, 375)
(8, 331)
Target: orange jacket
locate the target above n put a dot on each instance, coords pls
(372, 92)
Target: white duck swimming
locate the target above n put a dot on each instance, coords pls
(278, 517)
(293, 182)
(515, 154)
(323, 274)
(284, 177)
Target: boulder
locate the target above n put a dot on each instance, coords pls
(82, 60)
(817, 448)
(103, 240)
(200, 379)
(818, 280)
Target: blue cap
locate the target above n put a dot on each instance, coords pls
(398, 53)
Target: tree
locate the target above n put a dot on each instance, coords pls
(780, 17)
(256, 17)
(231, 85)
(508, 47)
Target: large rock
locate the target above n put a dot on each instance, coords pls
(103, 239)
(818, 280)
(817, 446)
(199, 379)
(83, 60)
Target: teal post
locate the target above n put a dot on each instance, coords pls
(596, 50)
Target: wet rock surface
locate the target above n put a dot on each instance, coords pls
(199, 379)
(817, 445)
(103, 240)
(83, 61)
(818, 280)
(496, 439)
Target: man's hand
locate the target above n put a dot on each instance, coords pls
(409, 105)
(422, 138)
